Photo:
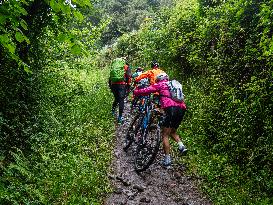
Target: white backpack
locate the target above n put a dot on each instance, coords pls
(176, 91)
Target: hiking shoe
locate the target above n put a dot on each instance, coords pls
(183, 150)
(166, 162)
(120, 120)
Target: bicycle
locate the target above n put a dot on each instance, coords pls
(139, 105)
(145, 132)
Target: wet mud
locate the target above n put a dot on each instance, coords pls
(155, 186)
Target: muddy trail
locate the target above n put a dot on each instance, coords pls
(155, 186)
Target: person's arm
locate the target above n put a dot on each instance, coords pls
(146, 74)
(128, 75)
(146, 91)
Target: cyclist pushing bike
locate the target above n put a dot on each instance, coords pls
(150, 74)
(174, 113)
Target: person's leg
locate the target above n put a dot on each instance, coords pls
(121, 96)
(121, 106)
(176, 116)
(115, 103)
(174, 135)
(116, 98)
(176, 138)
(166, 131)
(165, 140)
(166, 146)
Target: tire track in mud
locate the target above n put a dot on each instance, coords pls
(156, 186)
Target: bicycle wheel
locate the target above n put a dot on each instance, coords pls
(132, 132)
(147, 148)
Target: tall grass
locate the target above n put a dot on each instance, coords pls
(71, 147)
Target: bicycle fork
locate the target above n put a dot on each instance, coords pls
(144, 127)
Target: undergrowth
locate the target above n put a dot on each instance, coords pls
(71, 147)
(226, 176)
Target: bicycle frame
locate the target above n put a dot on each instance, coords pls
(143, 133)
(147, 112)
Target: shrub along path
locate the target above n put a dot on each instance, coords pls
(155, 186)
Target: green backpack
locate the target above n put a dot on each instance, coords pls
(117, 70)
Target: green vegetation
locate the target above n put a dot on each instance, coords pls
(55, 140)
(55, 130)
(221, 50)
(126, 16)
(71, 148)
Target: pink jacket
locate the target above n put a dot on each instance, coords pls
(163, 90)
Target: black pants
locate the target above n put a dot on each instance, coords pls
(174, 117)
(119, 92)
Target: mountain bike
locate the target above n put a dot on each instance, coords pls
(149, 141)
(132, 134)
(144, 130)
(138, 106)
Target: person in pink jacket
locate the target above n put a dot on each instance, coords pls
(174, 113)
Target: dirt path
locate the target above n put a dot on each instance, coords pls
(156, 186)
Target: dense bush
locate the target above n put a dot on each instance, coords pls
(24, 25)
(71, 147)
(54, 144)
(222, 52)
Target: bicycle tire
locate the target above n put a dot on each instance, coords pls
(147, 149)
(131, 132)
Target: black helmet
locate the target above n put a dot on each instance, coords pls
(154, 64)
(139, 69)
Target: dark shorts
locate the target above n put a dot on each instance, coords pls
(173, 117)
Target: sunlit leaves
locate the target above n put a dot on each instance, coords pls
(11, 22)
(83, 3)
(23, 24)
(62, 37)
(65, 9)
(6, 41)
(55, 5)
(11, 47)
(79, 16)
(19, 37)
(76, 49)
(21, 10)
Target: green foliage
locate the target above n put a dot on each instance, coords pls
(45, 156)
(17, 18)
(70, 150)
(28, 30)
(222, 52)
(160, 38)
(230, 138)
(127, 16)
